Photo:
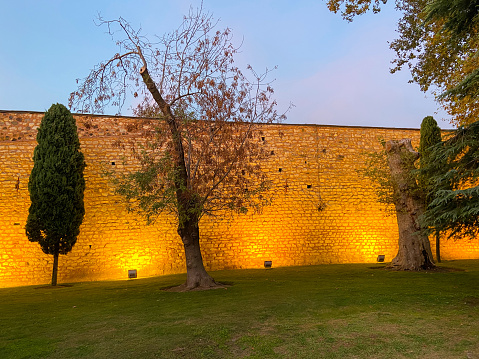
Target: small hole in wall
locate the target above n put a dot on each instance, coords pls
(324, 150)
(16, 224)
(262, 138)
(90, 246)
(305, 162)
(243, 172)
(113, 163)
(309, 186)
(272, 153)
(280, 170)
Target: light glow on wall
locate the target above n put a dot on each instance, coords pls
(350, 228)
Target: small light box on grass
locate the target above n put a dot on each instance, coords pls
(268, 264)
(132, 273)
(381, 258)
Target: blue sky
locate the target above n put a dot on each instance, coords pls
(334, 72)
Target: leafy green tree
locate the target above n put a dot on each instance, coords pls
(460, 19)
(430, 136)
(56, 186)
(461, 16)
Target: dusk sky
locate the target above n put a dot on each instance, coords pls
(334, 72)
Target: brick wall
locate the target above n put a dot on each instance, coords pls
(318, 166)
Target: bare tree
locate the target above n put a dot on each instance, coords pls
(204, 155)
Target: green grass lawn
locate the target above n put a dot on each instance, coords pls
(329, 311)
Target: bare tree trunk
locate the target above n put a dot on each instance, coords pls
(438, 247)
(55, 265)
(196, 275)
(414, 248)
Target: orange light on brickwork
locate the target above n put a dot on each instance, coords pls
(133, 260)
(368, 245)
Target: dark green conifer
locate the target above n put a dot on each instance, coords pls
(56, 185)
(454, 171)
(430, 136)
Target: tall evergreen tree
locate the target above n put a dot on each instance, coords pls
(430, 136)
(56, 186)
(454, 170)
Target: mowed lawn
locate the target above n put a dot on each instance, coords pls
(328, 311)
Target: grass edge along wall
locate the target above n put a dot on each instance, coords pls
(323, 211)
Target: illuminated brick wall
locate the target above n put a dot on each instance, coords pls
(311, 165)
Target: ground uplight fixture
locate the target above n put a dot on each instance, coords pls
(381, 258)
(268, 264)
(132, 273)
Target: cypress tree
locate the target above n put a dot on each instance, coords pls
(56, 186)
(430, 136)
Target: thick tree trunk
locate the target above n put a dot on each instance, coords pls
(414, 248)
(196, 275)
(55, 266)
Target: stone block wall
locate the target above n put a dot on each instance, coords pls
(323, 211)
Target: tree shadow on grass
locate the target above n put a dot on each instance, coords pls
(183, 288)
(58, 286)
(437, 269)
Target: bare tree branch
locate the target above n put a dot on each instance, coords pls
(204, 152)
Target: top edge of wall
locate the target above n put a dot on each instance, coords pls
(270, 124)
